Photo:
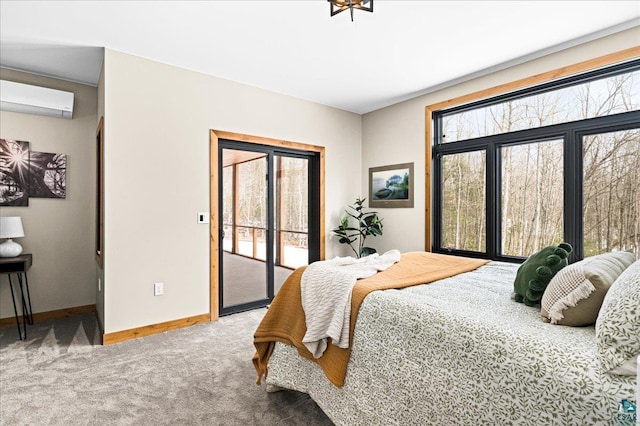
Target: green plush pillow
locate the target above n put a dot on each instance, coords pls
(534, 274)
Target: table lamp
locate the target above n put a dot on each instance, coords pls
(10, 227)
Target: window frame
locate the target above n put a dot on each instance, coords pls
(570, 132)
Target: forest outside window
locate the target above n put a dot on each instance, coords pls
(611, 191)
(463, 201)
(556, 162)
(531, 196)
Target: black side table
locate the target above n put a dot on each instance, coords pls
(19, 265)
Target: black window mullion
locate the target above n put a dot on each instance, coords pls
(436, 160)
(493, 202)
(573, 198)
(437, 201)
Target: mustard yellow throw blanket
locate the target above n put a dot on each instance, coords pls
(285, 320)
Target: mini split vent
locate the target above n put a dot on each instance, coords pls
(29, 99)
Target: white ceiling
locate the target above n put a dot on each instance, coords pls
(401, 50)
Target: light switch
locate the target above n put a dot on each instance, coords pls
(203, 217)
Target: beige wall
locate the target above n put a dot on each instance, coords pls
(403, 126)
(157, 121)
(59, 232)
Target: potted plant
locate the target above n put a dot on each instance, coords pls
(366, 223)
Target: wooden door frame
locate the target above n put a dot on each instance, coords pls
(214, 233)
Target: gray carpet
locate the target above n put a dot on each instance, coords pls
(201, 375)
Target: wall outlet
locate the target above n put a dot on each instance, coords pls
(158, 289)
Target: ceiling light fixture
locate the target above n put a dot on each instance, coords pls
(338, 6)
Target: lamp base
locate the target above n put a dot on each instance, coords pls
(10, 249)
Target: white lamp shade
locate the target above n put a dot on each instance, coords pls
(11, 227)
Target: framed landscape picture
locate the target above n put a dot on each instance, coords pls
(391, 186)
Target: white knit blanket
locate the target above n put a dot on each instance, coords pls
(326, 296)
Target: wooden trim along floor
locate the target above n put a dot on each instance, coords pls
(147, 330)
(110, 338)
(50, 315)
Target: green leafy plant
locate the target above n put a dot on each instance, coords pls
(366, 223)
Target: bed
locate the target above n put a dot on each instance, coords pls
(459, 351)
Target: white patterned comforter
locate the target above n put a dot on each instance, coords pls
(460, 351)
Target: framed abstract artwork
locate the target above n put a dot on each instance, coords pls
(14, 173)
(47, 175)
(28, 174)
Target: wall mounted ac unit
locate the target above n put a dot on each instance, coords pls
(29, 99)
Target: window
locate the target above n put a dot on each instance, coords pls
(531, 196)
(551, 163)
(463, 201)
(611, 191)
(596, 96)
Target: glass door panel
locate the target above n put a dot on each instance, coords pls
(244, 224)
(291, 242)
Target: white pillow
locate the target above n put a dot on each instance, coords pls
(575, 294)
(618, 324)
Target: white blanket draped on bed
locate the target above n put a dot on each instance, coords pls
(326, 296)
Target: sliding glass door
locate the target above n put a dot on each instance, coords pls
(269, 224)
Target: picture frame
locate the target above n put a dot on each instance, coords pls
(14, 173)
(391, 186)
(47, 175)
(26, 174)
